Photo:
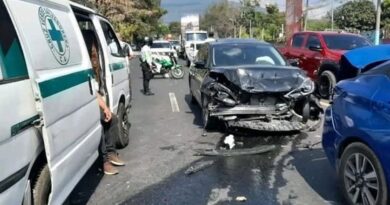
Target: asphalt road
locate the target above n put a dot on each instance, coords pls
(163, 140)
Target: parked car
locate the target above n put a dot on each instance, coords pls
(356, 135)
(248, 85)
(162, 47)
(319, 54)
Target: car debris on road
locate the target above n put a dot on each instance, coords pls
(198, 166)
(235, 152)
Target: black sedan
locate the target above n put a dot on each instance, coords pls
(247, 84)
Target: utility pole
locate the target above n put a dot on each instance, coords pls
(332, 11)
(250, 28)
(306, 14)
(378, 22)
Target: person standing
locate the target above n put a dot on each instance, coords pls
(108, 119)
(146, 65)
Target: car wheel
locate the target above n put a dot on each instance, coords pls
(362, 177)
(327, 81)
(208, 121)
(123, 137)
(42, 187)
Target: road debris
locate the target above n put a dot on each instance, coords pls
(241, 198)
(198, 166)
(309, 146)
(229, 141)
(235, 152)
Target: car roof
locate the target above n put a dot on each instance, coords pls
(327, 32)
(161, 41)
(82, 7)
(237, 41)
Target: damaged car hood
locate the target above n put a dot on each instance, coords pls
(255, 78)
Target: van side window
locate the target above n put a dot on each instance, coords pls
(12, 63)
(313, 41)
(111, 39)
(297, 40)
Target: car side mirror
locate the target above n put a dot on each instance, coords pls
(293, 62)
(200, 65)
(317, 48)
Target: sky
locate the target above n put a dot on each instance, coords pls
(178, 8)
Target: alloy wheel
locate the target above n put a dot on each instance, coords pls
(362, 183)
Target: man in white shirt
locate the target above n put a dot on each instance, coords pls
(146, 65)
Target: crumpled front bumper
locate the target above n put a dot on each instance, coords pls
(272, 126)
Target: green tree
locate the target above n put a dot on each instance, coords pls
(175, 28)
(318, 25)
(221, 18)
(358, 14)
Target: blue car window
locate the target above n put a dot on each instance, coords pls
(383, 69)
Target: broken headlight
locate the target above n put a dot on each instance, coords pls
(225, 99)
(307, 86)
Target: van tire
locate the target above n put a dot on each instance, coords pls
(42, 188)
(123, 126)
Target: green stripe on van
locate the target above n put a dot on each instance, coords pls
(117, 66)
(17, 128)
(56, 85)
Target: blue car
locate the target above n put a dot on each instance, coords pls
(356, 135)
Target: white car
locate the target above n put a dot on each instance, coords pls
(162, 47)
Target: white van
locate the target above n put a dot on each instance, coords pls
(49, 116)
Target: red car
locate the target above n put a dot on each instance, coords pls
(319, 53)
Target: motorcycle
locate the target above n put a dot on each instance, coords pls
(165, 65)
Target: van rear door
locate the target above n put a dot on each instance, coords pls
(59, 66)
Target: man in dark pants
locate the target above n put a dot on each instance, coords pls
(146, 65)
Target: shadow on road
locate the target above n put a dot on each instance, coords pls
(314, 167)
(87, 185)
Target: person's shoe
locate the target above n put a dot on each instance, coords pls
(114, 159)
(148, 93)
(109, 169)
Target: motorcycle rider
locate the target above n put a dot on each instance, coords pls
(146, 65)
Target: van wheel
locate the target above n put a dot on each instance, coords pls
(327, 81)
(123, 138)
(42, 188)
(209, 122)
(362, 177)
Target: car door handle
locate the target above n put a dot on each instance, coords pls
(90, 84)
(112, 78)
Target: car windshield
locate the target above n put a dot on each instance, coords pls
(196, 36)
(161, 45)
(246, 54)
(345, 42)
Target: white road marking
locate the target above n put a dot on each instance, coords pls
(174, 104)
(325, 104)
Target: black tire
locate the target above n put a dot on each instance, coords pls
(123, 126)
(42, 188)
(208, 121)
(369, 177)
(177, 73)
(326, 82)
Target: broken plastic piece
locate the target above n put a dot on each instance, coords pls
(198, 166)
(229, 140)
(241, 198)
(236, 152)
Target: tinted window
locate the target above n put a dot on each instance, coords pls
(161, 45)
(345, 42)
(297, 40)
(196, 36)
(246, 54)
(12, 62)
(111, 39)
(202, 53)
(313, 40)
(381, 69)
